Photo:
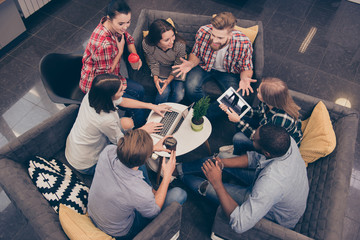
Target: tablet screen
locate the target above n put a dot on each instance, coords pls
(232, 99)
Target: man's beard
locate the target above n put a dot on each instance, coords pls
(217, 48)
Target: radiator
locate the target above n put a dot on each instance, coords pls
(28, 7)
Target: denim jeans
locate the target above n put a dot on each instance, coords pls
(175, 194)
(197, 77)
(135, 91)
(174, 92)
(88, 171)
(191, 174)
(242, 143)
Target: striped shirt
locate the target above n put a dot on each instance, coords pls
(264, 115)
(99, 55)
(237, 58)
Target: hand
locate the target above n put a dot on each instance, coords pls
(245, 86)
(120, 44)
(183, 68)
(159, 146)
(161, 109)
(140, 64)
(165, 84)
(212, 172)
(157, 81)
(169, 167)
(152, 127)
(232, 115)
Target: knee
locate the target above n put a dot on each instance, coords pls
(177, 194)
(126, 123)
(240, 137)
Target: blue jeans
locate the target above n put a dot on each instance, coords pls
(88, 171)
(135, 91)
(174, 92)
(242, 143)
(191, 174)
(197, 77)
(175, 194)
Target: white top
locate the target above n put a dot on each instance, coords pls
(219, 60)
(90, 134)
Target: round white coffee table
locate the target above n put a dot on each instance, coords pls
(187, 139)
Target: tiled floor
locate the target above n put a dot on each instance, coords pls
(328, 69)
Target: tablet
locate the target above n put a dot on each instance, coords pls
(232, 99)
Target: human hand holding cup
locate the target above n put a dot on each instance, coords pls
(134, 61)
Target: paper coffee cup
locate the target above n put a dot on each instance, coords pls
(134, 60)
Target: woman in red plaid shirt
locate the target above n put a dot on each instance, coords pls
(105, 49)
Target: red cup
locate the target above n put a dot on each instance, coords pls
(134, 60)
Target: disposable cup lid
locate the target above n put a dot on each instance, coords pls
(133, 58)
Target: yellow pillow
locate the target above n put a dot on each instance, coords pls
(78, 226)
(250, 32)
(169, 20)
(319, 138)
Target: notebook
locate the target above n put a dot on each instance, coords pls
(171, 121)
(232, 99)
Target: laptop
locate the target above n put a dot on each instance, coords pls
(171, 121)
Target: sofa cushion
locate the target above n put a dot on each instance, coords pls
(169, 20)
(79, 226)
(318, 135)
(58, 184)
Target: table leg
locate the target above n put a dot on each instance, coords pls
(159, 170)
(208, 146)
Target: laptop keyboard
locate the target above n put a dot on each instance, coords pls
(167, 120)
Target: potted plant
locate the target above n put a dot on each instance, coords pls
(200, 109)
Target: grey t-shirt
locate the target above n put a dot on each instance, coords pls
(160, 62)
(116, 192)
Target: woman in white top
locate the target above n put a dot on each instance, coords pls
(98, 123)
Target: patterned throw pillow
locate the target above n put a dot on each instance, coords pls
(58, 184)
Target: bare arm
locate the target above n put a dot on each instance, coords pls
(186, 65)
(213, 174)
(168, 169)
(131, 103)
(120, 46)
(245, 81)
(236, 162)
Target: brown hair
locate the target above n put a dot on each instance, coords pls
(224, 20)
(134, 148)
(275, 93)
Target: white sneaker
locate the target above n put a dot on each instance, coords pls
(227, 148)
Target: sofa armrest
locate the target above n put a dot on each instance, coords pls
(264, 229)
(165, 226)
(17, 184)
(45, 139)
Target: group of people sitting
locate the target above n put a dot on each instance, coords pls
(264, 160)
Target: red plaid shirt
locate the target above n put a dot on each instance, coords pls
(100, 54)
(237, 58)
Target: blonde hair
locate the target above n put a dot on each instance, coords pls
(275, 92)
(224, 20)
(134, 148)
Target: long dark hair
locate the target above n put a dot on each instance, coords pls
(117, 6)
(157, 28)
(103, 88)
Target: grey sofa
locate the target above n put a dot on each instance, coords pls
(187, 26)
(48, 140)
(329, 180)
